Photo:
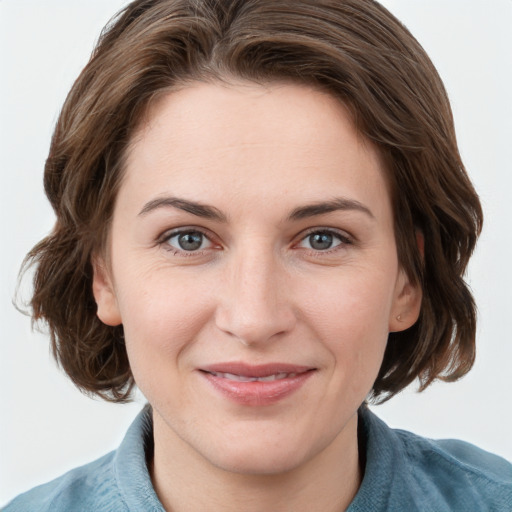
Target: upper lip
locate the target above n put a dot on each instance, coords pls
(260, 370)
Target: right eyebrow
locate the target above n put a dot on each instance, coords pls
(198, 209)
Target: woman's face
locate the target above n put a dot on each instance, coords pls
(253, 266)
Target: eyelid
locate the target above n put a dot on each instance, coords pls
(344, 237)
(171, 233)
(342, 234)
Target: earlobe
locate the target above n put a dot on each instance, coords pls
(406, 305)
(104, 294)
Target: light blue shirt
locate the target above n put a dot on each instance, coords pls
(403, 473)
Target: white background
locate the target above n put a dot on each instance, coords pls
(46, 425)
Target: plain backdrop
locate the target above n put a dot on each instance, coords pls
(46, 425)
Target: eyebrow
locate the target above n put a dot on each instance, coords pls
(324, 207)
(210, 212)
(198, 209)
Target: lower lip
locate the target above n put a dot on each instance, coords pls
(258, 393)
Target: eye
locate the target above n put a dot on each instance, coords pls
(188, 241)
(323, 240)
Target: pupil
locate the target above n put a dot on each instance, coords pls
(190, 241)
(320, 241)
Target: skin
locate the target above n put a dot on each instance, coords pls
(258, 290)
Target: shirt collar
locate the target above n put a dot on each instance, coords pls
(381, 472)
(131, 465)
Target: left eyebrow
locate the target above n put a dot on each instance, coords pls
(324, 207)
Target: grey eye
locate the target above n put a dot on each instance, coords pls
(321, 241)
(188, 241)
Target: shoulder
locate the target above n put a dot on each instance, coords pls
(458, 471)
(117, 482)
(93, 485)
(406, 472)
(459, 456)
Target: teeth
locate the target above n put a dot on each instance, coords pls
(243, 378)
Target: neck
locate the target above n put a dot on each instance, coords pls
(185, 481)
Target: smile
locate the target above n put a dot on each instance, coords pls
(260, 385)
(246, 378)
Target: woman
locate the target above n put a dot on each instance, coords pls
(262, 220)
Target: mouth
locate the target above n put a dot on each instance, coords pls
(247, 378)
(258, 385)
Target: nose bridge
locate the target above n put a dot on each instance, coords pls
(255, 305)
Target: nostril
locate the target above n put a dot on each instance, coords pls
(255, 327)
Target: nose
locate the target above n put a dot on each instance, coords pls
(255, 305)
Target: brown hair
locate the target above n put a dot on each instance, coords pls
(354, 49)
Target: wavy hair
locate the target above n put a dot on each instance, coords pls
(353, 49)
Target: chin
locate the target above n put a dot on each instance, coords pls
(258, 462)
(263, 451)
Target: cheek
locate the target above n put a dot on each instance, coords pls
(161, 329)
(351, 315)
(161, 319)
(351, 303)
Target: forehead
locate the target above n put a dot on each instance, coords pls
(247, 137)
(246, 113)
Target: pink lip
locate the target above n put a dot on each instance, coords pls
(256, 393)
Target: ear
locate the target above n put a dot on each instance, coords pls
(406, 303)
(104, 294)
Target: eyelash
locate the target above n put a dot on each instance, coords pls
(343, 238)
(164, 241)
